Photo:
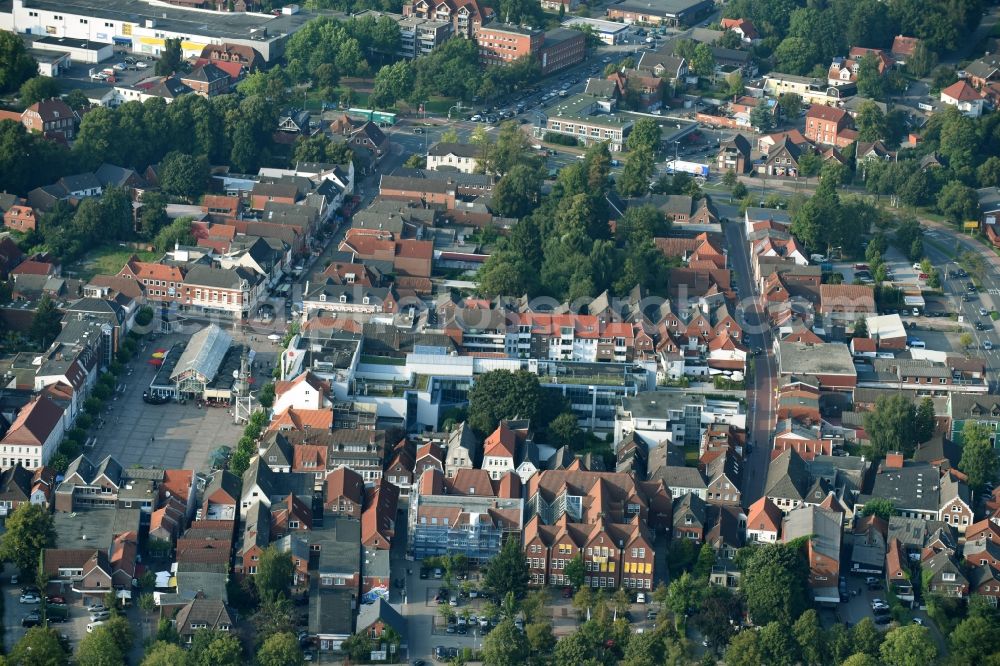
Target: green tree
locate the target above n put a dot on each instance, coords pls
(793, 55)
(29, 530)
(16, 64)
(502, 394)
(703, 61)
(921, 61)
(683, 596)
(890, 425)
(790, 105)
(266, 396)
(575, 571)
(908, 645)
(274, 574)
(811, 639)
(179, 231)
(774, 583)
(925, 424)
(870, 82)
(100, 648)
(718, 611)
(171, 58)
(860, 659)
(637, 173)
(974, 640)
(38, 88)
(518, 192)
(280, 650)
(745, 650)
(866, 638)
(879, 506)
(506, 645)
(565, 430)
(776, 645)
(979, 459)
(646, 133)
(40, 646)
(162, 653)
(215, 648)
(705, 562)
(184, 175)
(761, 117)
(957, 201)
(508, 572)
(870, 122)
(734, 82)
(46, 323)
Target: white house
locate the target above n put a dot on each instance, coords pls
(962, 95)
(499, 450)
(304, 392)
(34, 436)
(445, 156)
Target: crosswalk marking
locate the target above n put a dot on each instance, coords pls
(993, 292)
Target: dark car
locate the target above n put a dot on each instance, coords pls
(32, 619)
(440, 652)
(980, 326)
(883, 619)
(567, 592)
(424, 574)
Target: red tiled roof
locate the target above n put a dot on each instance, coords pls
(34, 423)
(502, 442)
(30, 267)
(300, 419)
(828, 113)
(961, 91)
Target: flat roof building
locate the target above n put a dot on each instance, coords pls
(661, 12)
(144, 27)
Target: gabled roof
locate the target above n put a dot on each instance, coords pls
(35, 423)
(764, 515)
(382, 610)
(502, 442)
(961, 91)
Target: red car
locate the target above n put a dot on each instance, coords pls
(923, 276)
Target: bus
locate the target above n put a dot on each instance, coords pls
(380, 118)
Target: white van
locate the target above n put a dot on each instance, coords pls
(917, 344)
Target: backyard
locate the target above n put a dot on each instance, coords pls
(105, 260)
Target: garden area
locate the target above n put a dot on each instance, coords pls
(106, 260)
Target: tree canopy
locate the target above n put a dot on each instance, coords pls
(30, 529)
(507, 573)
(774, 583)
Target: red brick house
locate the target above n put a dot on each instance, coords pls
(826, 125)
(20, 218)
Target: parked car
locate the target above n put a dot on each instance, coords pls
(30, 598)
(96, 607)
(100, 615)
(32, 619)
(94, 625)
(438, 574)
(883, 619)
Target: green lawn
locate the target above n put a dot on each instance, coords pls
(106, 260)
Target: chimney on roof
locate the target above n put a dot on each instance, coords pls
(894, 460)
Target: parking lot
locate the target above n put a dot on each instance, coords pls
(168, 436)
(74, 629)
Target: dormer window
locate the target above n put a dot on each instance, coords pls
(322, 298)
(343, 298)
(365, 300)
